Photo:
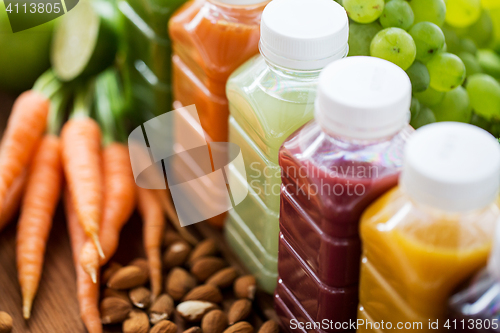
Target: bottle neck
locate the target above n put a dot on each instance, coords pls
(291, 73)
(250, 9)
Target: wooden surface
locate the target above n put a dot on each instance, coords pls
(55, 309)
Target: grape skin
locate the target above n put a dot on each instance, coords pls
(484, 94)
(360, 37)
(419, 76)
(454, 107)
(429, 40)
(364, 11)
(397, 13)
(447, 71)
(462, 13)
(429, 10)
(394, 45)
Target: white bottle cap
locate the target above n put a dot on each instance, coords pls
(453, 167)
(304, 34)
(363, 98)
(241, 2)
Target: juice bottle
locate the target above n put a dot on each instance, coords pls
(332, 169)
(476, 308)
(425, 237)
(210, 39)
(148, 53)
(271, 96)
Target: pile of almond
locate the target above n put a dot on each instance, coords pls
(196, 281)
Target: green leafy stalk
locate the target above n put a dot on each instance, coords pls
(48, 84)
(58, 105)
(84, 96)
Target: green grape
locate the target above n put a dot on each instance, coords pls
(471, 64)
(419, 76)
(481, 32)
(452, 40)
(414, 108)
(364, 11)
(429, 40)
(425, 117)
(429, 10)
(468, 45)
(462, 13)
(394, 45)
(454, 107)
(479, 121)
(489, 62)
(447, 71)
(360, 37)
(429, 97)
(397, 13)
(490, 4)
(495, 17)
(484, 94)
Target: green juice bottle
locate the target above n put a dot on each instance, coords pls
(270, 97)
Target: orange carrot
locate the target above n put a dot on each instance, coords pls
(23, 133)
(153, 229)
(87, 291)
(81, 144)
(13, 199)
(40, 200)
(89, 259)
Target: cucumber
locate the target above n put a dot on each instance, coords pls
(86, 41)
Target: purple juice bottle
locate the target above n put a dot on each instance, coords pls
(332, 169)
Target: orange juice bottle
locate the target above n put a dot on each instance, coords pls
(425, 237)
(210, 39)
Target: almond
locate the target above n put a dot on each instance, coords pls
(140, 297)
(142, 263)
(5, 322)
(269, 326)
(245, 287)
(170, 237)
(223, 278)
(115, 293)
(114, 310)
(194, 329)
(241, 327)
(128, 277)
(214, 322)
(206, 292)
(164, 326)
(109, 271)
(194, 310)
(239, 310)
(137, 322)
(176, 254)
(205, 267)
(161, 309)
(179, 282)
(206, 248)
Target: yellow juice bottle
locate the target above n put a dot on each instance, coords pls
(425, 237)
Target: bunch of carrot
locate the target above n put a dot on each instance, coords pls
(100, 192)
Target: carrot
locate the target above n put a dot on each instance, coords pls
(89, 259)
(87, 290)
(81, 144)
(153, 229)
(24, 130)
(13, 199)
(38, 206)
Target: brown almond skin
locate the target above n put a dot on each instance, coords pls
(193, 311)
(5, 322)
(137, 322)
(161, 309)
(240, 327)
(140, 297)
(245, 287)
(179, 282)
(114, 310)
(269, 326)
(164, 326)
(176, 254)
(223, 278)
(115, 293)
(142, 263)
(206, 292)
(194, 329)
(214, 322)
(206, 248)
(239, 311)
(171, 237)
(205, 267)
(109, 271)
(127, 278)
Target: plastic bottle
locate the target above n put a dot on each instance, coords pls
(269, 98)
(332, 169)
(211, 38)
(422, 239)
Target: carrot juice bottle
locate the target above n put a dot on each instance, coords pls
(270, 97)
(425, 237)
(210, 39)
(332, 169)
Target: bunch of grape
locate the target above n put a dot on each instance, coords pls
(449, 49)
